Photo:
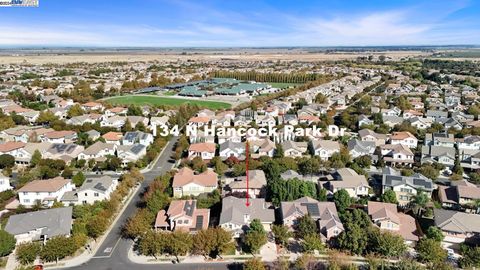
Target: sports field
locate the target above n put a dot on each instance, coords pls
(153, 100)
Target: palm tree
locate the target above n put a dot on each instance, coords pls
(419, 202)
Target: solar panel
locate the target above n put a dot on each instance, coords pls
(199, 223)
(188, 208)
(312, 209)
(99, 186)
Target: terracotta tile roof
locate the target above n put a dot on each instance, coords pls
(59, 134)
(401, 135)
(91, 104)
(380, 210)
(203, 147)
(49, 185)
(185, 176)
(10, 146)
(199, 119)
(161, 219)
(112, 136)
(117, 109)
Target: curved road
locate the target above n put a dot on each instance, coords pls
(113, 252)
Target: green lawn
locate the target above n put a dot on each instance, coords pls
(145, 100)
(282, 85)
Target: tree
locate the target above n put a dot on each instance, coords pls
(312, 242)
(212, 242)
(309, 166)
(138, 224)
(253, 264)
(28, 252)
(75, 110)
(179, 243)
(272, 170)
(278, 151)
(435, 234)
(470, 257)
(389, 196)
(282, 234)
(256, 226)
(430, 251)
(321, 98)
(6, 161)
(7, 243)
(342, 200)
(387, 244)
(305, 226)
(46, 117)
(67, 173)
(127, 126)
(419, 201)
(255, 237)
(36, 158)
(78, 179)
(57, 248)
(96, 226)
(218, 165)
(429, 171)
(354, 239)
(152, 243)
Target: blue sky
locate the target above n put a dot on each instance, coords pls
(207, 23)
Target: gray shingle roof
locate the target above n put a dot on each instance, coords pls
(51, 222)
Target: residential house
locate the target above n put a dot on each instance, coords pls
(199, 121)
(440, 139)
(134, 137)
(114, 122)
(438, 154)
(184, 215)
(325, 148)
(131, 153)
(404, 138)
(437, 115)
(98, 151)
(256, 186)
(17, 150)
(236, 216)
(420, 122)
(397, 154)
(187, 183)
(386, 217)
(471, 142)
(44, 191)
(460, 194)
(371, 136)
(40, 225)
(4, 183)
(345, 178)
(113, 137)
(262, 147)
(324, 213)
(91, 191)
(457, 227)
(63, 151)
(232, 149)
(204, 150)
(294, 149)
(406, 187)
(64, 136)
(358, 148)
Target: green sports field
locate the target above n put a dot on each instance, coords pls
(153, 100)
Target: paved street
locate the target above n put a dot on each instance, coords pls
(113, 253)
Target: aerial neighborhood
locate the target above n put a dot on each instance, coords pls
(392, 173)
